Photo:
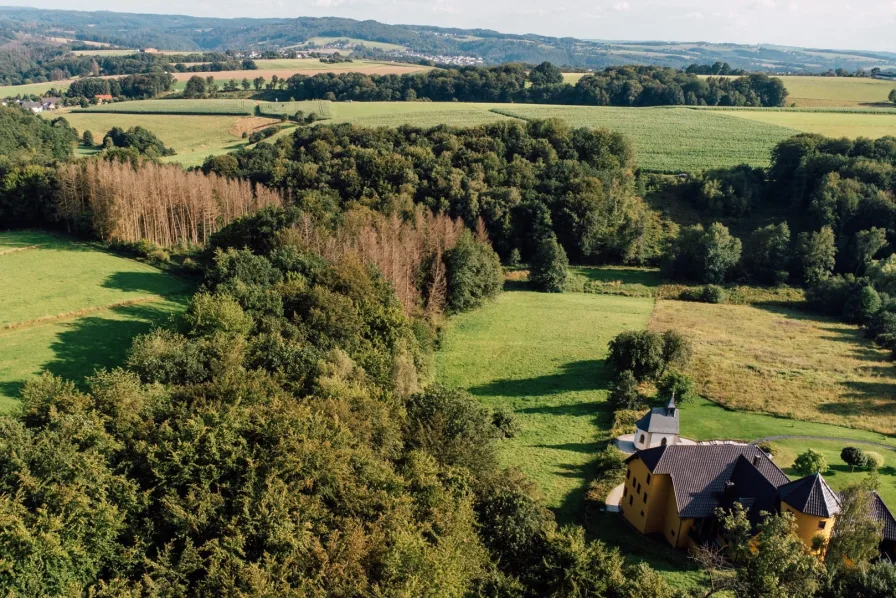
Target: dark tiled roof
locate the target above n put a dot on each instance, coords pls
(700, 474)
(882, 513)
(811, 495)
(660, 420)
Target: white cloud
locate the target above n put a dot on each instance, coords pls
(621, 6)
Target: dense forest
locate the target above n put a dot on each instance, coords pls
(543, 84)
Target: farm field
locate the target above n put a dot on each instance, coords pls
(7, 91)
(74, 308)
(421, 114)
(671, 139)
(831, 124)
(194, 138)
(814, 92)
(322, 41)
(785, 362)
(241, 107)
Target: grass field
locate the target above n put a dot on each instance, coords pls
(831, 124)
(223, 107)
(74, 308)
(421, 114)
(542, 356)
(672, 139)
(787, 363)
(836, 91)
(193, 137)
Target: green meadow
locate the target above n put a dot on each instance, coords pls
(70, 308)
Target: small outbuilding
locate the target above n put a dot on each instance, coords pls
(659, 427)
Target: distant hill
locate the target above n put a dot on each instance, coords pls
(174, 32)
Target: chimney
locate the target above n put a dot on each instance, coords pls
(756, 460)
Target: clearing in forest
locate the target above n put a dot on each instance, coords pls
(69, 308)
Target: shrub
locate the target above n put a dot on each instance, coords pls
(625, 394)
(810, 462)
(624, 421)
(706, 255)
(474, 273)
(862, 305)
(854, 457)
(505, 421)
(549, 267)
(87, 139)
(710, 293)
(769, 448)
(647, 354)
(675, 384)
(874, 460)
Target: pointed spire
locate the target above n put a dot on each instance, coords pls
(670, 406)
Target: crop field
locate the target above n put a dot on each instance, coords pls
(786, 363)
(9, 91)
(73, 308)
(222, 107)
(672, 139)
(814, 92)
(832, 124)
(193, 137)
(420, 114)
(321, 108)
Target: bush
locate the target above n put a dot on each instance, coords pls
(87, 139)
(706, 255)
(675, 384)
(505, 421)
(624, 421)
(647, 354)
(874, 460)
(769, 448)
(549, 267)
(625, 394)
(710, 293)
(810, 462)
(474, 273)
(854, 457)
(862, 305)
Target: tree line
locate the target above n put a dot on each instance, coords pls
(614, 86)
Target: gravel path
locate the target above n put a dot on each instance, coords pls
(831, 438)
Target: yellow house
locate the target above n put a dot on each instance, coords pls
(674, 490)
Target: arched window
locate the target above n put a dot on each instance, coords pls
(663, 442)
(642, 439)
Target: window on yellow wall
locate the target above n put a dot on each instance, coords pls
(642, 513)
(624, 491)
(672, 531)
(822, 524)
(645, 497)
(628, 473)
(648, 479)
(639, 488)
(631, 500)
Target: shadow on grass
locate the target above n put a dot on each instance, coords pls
(625, 276)
(153, 282)
(94, 342)
(590, 374)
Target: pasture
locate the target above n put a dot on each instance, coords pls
(542, 357)
(786, 363)
(212, 107)
(671, 139)
(70, 308)
(323, 41)
(193, 137)
(832, 124)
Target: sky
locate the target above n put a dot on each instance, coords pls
(855, 24)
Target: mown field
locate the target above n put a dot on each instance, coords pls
(322, 41)
(542, 356)
(223, 107)
(70, 308)
(812, 92)
(787, 363)
(193, 137)
(672, 139)
(832, 124)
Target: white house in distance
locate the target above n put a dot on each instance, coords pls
(658, 428)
